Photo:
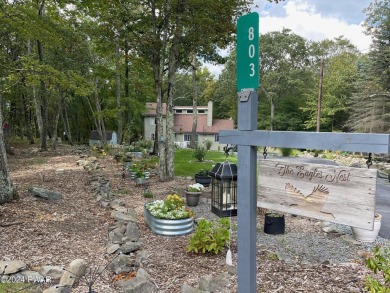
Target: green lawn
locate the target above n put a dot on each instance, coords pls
(186, 165)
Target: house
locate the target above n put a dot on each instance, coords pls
(207, 127)
(95, 139)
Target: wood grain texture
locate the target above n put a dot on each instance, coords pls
(338, 194)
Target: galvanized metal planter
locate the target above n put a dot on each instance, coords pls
(168, 227)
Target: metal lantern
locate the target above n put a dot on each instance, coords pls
(224, 189)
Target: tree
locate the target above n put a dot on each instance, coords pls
(7, 191)
(377, 25)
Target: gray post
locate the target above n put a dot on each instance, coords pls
(247, 195)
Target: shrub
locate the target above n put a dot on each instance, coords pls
(379, 262)
(286, 152)
(199, 153)
(210, 236)
(208, 143)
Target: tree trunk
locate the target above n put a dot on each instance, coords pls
(118, 92)
(7, 191)
(173, 53)
(100, 122)
(65, 119)
(27, 118)
(319, 102)
(127, 94)
(43, 88)
(194, 102)
(272, 112)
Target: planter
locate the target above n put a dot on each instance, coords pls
(147, 174)
(274, 224)
(204, 180)
(139, 180)
(192, 198)
(132, 175)
(364, 235)
(168, 227)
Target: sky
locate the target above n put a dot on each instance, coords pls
(314, 20)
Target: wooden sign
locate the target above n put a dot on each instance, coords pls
(338, 194)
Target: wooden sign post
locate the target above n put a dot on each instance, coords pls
(247, 138)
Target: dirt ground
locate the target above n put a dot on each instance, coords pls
(55, 233)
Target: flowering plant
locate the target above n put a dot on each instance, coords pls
(172, 208)
(197, 187)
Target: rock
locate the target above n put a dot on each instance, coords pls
(119, 216)
(140, 284)
(141, 256)
(218, 283)
(73, 272)
(121, 209)
(58, 289)
(52, 272)
(232, 271)
(59, 171)
(112, 248)
(132, 231)
(31, 277)
(350, 239)
(130, 247)
(11, 267)
(116, 203)
(122, 264)
(105, 204)
(44, 193)
(185, 288)
(329, 229)
(115, 236)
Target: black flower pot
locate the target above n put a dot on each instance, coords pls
(274, 224)
(204, 180)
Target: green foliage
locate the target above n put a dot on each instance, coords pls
(208, 143)
(286, 152)
(183, 157)
(379, 262)
(202, 173)
(199, 153)
(210, 236)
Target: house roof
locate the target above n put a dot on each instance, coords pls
(183, 124)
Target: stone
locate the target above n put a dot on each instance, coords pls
(130, 247)
(44, 194)
(32, 277)
(119, 216)
(117, 203)
(121, 209)
(52, 272)
(132, 231)
(11, 267)
(105, 204)
(140, 284)
(115, 236)
(111, 249)
(185, 288)
(329, 229)
(141, 256)
(59, 171)
(122, 264)
(58, 289)
(218, 283)
(73, 272)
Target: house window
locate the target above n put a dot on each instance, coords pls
(216, 138)
(152, 120)
(190, 111)
(152, 136)
(177, 111)
(202, 111)
(187, 137)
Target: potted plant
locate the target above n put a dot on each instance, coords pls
(169, 216)
(193, 193)
(274, 223)
(133, 170)
(203, 178)
(139, 176)
(364, 235)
